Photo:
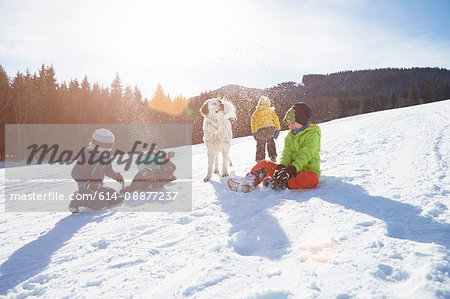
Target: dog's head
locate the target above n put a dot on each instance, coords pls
(218, 108)
(212, 106)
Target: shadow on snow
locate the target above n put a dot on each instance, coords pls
(255, 232)
(403, 221)
(34, 257)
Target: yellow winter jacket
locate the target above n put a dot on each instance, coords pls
(264, 116)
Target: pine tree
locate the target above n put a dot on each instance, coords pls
(179, 107)
(5, 95)
(97, 111)
(413, 94)
(85, 106)
(404, 93)
(116, 97)
(116, 88)
(160, 102)
(24, 99)
(46, 88)
(427, 92)
(364, 105)
(5, 107)
(85, 86)
(137, 94)
(392, 103)
(74, 94)
(127, 110)
(105, 105)
(96, 91)
(63, 93)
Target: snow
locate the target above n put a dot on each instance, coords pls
(378, 225)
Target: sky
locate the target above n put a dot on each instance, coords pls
(193, 46)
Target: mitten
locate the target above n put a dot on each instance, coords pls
(283, 174)
(93, 186)
(119, 178)
(170, 155)
(281, 179)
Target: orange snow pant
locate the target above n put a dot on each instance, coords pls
(303, 179)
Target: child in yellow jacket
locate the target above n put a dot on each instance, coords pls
(265, 127)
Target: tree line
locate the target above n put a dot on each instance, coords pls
(39, 99)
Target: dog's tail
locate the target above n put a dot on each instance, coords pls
(229, 109)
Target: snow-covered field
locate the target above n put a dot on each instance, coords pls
(377, 226)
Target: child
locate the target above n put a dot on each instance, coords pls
(152, 175)
(299, 167)
(89, 172)
(265, 127)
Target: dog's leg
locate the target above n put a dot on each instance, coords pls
(216, 164)
(211, 158)
(225, 161)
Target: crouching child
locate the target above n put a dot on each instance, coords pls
(90, 171)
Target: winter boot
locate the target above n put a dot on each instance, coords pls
(73, 206)
(247, 184)
(273, 159)
(269, 183)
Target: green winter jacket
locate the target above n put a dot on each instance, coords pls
(302, 150)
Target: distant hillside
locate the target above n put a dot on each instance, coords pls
(239, 92)
(334, 95)
(368, 82)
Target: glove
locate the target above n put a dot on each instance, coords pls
(119, 178)
(254, 136)
(277, 133)
(281, 178)
(93, 186)
(170, 155)
(283, 174)
(278, 169)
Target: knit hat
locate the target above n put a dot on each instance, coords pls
(299, 113)
(264, 101)
(104, 138)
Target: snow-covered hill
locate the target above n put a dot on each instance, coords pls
(378, 225)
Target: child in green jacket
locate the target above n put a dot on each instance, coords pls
(299, 166)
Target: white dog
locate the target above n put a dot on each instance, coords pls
(217, 133)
